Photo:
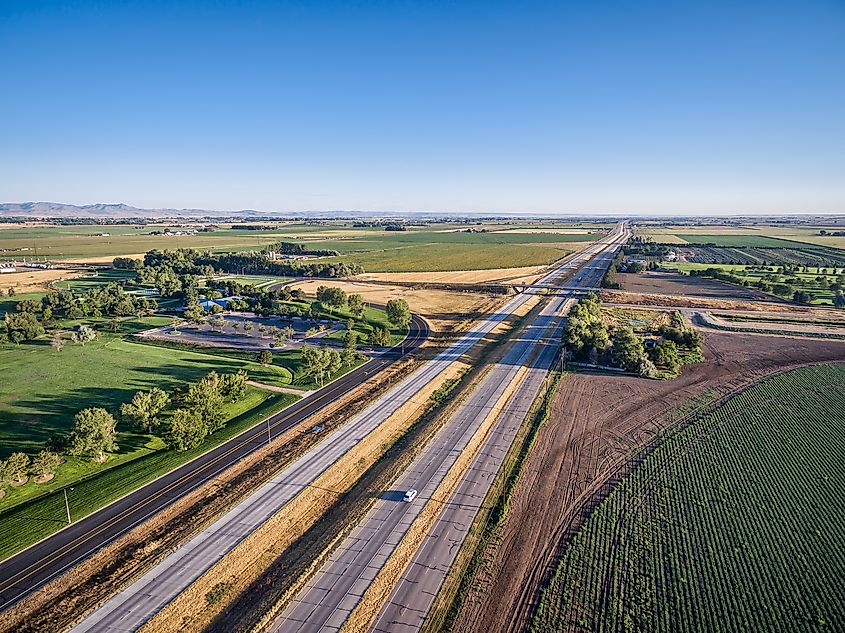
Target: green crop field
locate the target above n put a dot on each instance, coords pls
(445, 257)
(429, 248)
(734, 523)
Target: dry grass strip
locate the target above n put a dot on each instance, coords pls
(193, 611)
(376, 595)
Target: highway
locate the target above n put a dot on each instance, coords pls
(414, 593)
(33, 567)
(333, 592)
(135, 604)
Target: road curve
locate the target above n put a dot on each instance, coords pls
(30, 569)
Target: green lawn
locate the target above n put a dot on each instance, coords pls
(32, 520)
(44, 389)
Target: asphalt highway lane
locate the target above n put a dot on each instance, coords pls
(32, 568)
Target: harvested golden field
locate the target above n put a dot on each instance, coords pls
(34, 279)
(442, 308)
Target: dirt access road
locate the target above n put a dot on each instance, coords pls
(596, 421)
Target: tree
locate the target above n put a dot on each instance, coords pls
(28, 305)
(331, 297)
(839, 300)
(585, 328)
(21, 326)
(398, 313)
(194, 312)
(233, 386)
(665, 354)
(247, 327)
(205, 398)
(380, 337)
(350, 338)
(84, 334)
(183, 430)
(628, 349)
(801, 296)
(45, 463)
(142, 412)
(93, 434)
(17, 465)
(264, 357)
(114, 325)
(356, 305)
(319, 361)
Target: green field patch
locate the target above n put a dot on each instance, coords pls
(37, 518)
(44, 389)
(444, 257)
(735, 522)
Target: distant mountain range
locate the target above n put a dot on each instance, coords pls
(61, 210)
(47, 210)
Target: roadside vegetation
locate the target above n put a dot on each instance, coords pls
(655, 349)
(733, 522)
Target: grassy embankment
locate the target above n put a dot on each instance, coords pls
(30, 521)
(734, 522)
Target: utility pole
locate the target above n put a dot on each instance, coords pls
(67, 506)
(269, 438)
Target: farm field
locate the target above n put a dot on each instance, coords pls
(667, 283)
(596, 421)
(428, 257)
(99, 241)
(734, 522)
(806, 234)
(805, 281)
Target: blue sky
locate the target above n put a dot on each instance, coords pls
(569, 107)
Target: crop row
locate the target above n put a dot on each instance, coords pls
(733, 523)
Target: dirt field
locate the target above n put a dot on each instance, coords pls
(596, 421)
(661, 283)
(676, 301)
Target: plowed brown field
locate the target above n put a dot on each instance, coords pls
(596, 422)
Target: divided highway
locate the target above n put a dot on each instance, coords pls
(329, 597)
(32, 568)
(130, 608)
(412, 597)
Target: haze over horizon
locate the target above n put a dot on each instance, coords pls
(648, 108)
